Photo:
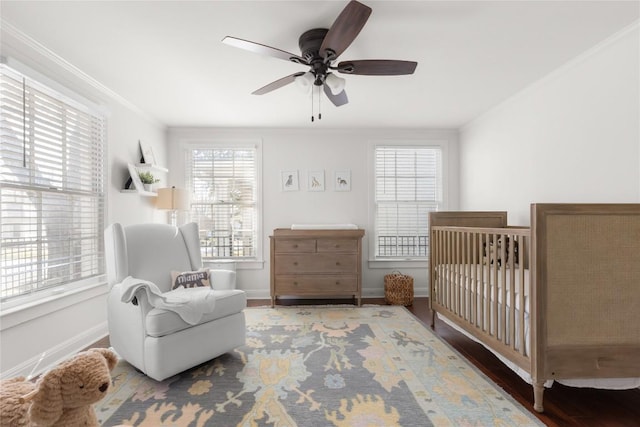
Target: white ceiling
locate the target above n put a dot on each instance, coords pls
(166, 57)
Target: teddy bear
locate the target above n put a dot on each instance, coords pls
(64, 396)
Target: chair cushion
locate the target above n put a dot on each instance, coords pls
(160, 322)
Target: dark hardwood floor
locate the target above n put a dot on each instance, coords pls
(564, 406)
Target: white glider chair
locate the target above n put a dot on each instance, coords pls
(144, 331)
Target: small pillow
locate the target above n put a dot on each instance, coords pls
(190, 279)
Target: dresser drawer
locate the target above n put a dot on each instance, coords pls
(337, 245)
(316, 263)
(316, 285)
(295, 245)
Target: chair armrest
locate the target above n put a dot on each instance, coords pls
(126, 321)
(222, 279)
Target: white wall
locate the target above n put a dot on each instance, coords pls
(313, 149)
(63, 324)
(572, 137)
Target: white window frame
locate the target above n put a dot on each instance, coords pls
(70, 285)
(256, 262)
(409, 262)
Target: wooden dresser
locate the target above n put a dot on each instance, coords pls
(316, 263)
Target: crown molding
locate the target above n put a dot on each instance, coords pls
(41, 50)
(572, 63)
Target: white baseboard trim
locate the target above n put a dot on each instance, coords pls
(54, 356)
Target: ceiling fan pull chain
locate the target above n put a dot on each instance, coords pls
(319, 100)
(312, 104)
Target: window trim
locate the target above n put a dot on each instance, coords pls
(443, 146)
(187, 144)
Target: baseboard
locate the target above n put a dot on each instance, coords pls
(51, 358)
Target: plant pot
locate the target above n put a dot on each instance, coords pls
(148, 187)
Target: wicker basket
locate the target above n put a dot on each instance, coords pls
(398, 289)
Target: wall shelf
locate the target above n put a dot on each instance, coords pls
(135, 179)
(142, 193)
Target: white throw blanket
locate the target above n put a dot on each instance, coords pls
(190, 304)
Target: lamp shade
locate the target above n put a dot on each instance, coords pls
(305, 82)
(175, 199)
(336, 84)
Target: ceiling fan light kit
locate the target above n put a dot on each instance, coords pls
(319, 48)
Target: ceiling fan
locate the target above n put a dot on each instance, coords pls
(320, 47)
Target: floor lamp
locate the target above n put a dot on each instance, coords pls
(172, 199)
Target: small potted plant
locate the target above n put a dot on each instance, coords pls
(148, 180)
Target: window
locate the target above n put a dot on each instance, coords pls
(222, 181)
(408, 185)
(51, 188)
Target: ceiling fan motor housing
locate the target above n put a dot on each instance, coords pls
(309, 43)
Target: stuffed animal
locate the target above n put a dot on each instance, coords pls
(64, 396)
(494, 252)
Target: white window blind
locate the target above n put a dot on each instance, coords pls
(51, 188)
(408, 185)
(223, 186)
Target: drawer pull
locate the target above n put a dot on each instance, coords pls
(295, 246)
(295, 263)
(295, 283)
(337, 246)
(337, 282)
(337, 262)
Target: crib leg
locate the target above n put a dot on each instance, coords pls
(538, 391)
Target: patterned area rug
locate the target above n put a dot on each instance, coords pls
(320, 366)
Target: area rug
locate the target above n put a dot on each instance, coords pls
(320, 366)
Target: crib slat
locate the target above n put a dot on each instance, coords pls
(479, 287)
(523, 307)
(512, 294)
(502, 301)
(458, 275)
(494, 301)
(467, 273)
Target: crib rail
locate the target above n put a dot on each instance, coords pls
(480, 282)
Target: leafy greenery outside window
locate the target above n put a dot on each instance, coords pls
(408, 185)
(52, 197)
(222, 181)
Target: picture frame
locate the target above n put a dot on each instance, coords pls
(315, 180)
(342, 180)
(147, 153)
(289, 180)
(135, 178)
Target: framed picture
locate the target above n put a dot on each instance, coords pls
(315, 181)
(342, 180)
(135, 178)
(289, 180)
(147, 153)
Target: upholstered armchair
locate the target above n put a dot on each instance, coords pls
(145, 327)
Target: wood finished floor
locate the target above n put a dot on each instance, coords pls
(564, 406)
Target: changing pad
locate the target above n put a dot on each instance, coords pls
(324, 227)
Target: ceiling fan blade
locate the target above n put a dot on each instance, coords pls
(345, 29)
(337, 100)
(277, 84)
(377, 67)
(263, 49)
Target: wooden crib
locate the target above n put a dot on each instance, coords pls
(576, 273)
